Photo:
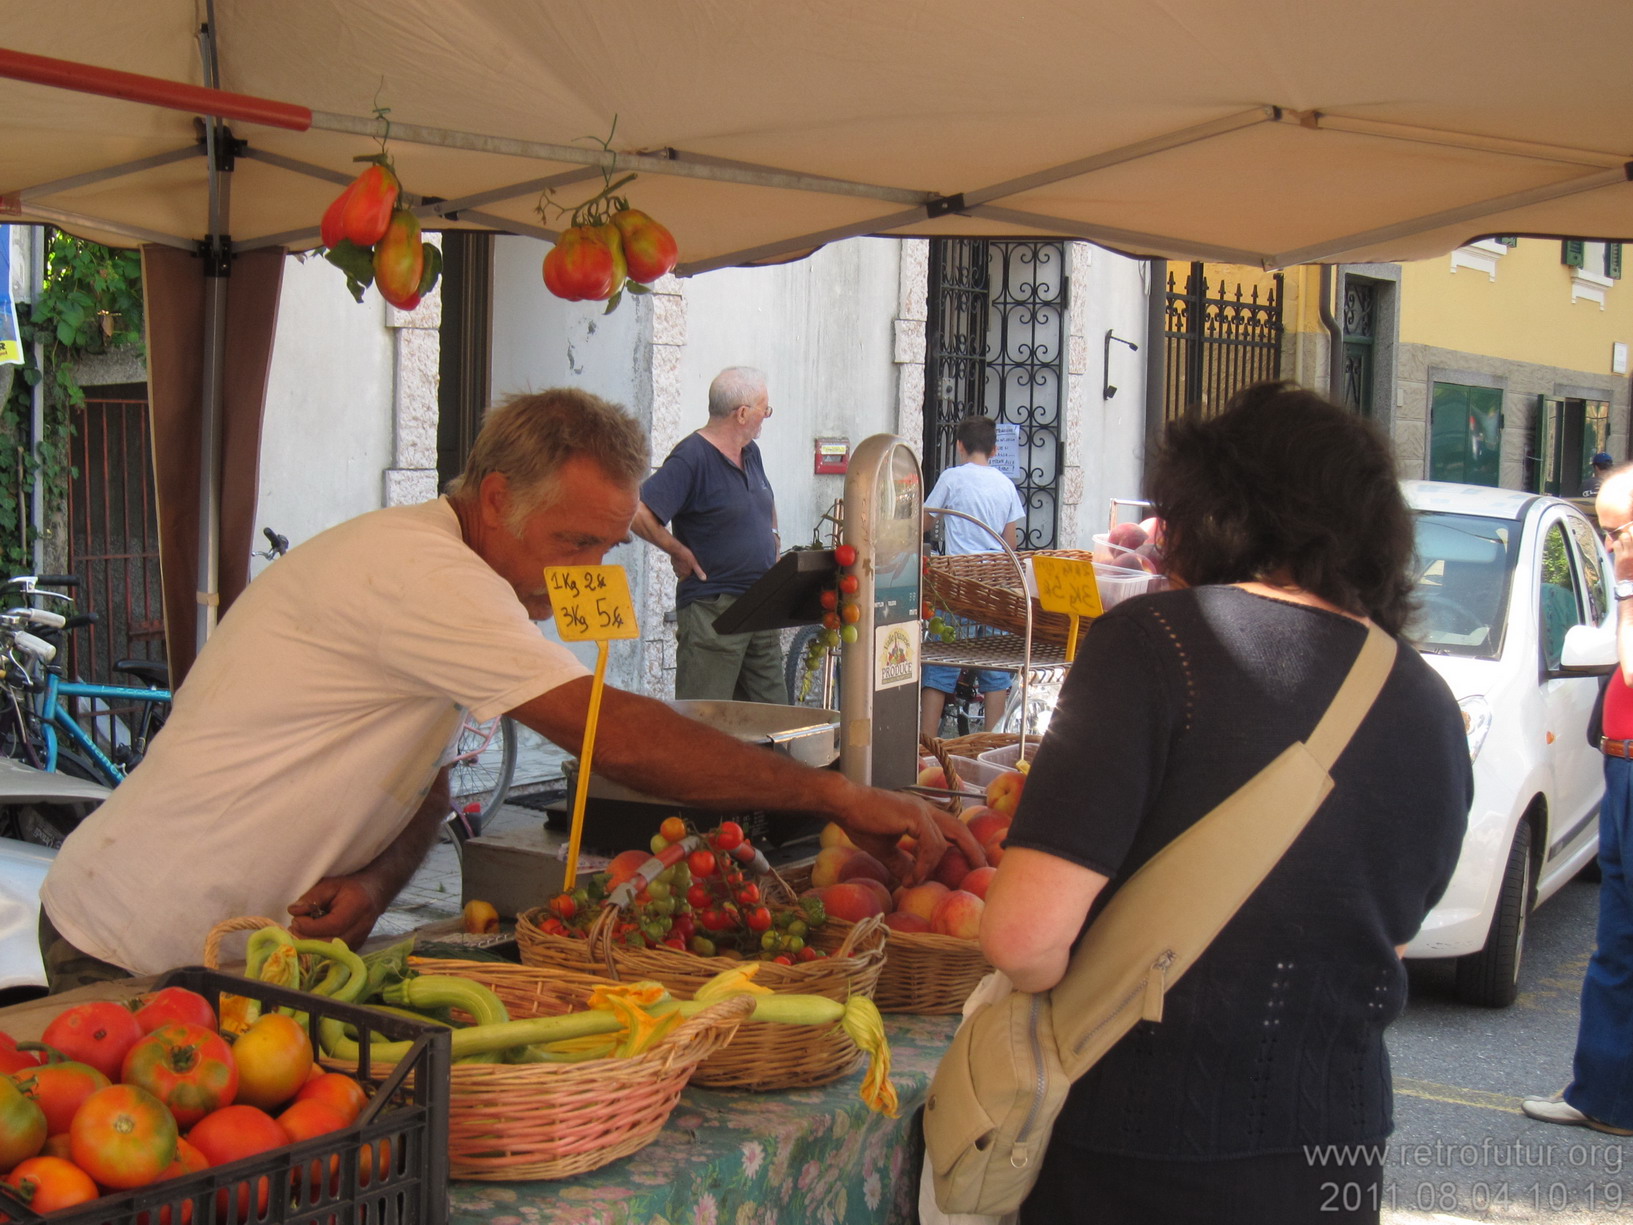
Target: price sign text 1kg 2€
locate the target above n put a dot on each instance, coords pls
(591, 603)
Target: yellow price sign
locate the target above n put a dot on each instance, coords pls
(1066, 585)
(591, 603)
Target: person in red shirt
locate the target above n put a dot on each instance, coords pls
(1600, 1095)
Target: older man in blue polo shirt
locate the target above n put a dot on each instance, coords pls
(721, 535)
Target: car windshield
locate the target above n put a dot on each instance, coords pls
(1464, 566)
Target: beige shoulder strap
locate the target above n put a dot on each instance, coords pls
(1354, 697)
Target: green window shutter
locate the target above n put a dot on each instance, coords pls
(1507, 240)
(1572, 252)
(1613, 260)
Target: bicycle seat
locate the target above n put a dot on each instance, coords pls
(153, 671)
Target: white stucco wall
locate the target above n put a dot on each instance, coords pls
(822, 331)
(1106, 438)
(326, 436)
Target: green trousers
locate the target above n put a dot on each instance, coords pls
(726, 667)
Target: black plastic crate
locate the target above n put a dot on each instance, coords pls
(399, 1142)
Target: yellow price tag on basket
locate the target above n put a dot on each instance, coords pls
(1067, 585)
(591, 604)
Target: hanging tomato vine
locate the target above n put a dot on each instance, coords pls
(609, 247)
(371, 237)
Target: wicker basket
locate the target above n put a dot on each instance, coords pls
(924, 972)
(762, 1056)
(985, 588)
(543, 1120)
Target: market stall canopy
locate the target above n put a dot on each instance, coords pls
(1273, 133)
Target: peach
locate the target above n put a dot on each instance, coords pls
(881, 892)
(933, 776)
(904, 921)
(973, 811)
(1004, 792)
(1126, 535)
(834, 835)
(920, 899)
(976, 882)
(853, 901)
(863, 864)
(989, 823)
(825, 871)
(952, 869)
(958, 914)
(994, 851)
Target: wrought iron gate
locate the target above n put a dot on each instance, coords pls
(1218, 344)
(113, 537)
(996, 346)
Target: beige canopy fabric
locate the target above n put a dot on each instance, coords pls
(1273, 132)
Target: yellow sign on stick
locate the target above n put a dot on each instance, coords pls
(1067, 585)
(591, 604)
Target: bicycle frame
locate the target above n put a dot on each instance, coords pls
(54, 715)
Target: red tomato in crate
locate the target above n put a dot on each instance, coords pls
(274, 1058)
(304, 1120)
(188, 1161)
(189, 1068)
(59, 1089)
(173, 1004)
(99, 1033)
(22, 1125)
(50, 1184)
(231, 1134)
(338, 1090)
(123, 1137)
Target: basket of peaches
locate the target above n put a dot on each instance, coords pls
(933, 957)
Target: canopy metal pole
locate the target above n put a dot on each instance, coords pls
(217, 254)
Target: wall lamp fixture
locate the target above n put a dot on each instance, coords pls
(1109, 389)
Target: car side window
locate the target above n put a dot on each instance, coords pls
(1595, 579)
(1562, 606)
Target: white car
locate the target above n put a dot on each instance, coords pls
(1504, 577)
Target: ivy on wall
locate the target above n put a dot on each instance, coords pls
(91, 303)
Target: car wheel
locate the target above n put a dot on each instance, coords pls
(1491, 977)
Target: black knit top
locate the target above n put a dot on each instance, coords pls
(1274, 1039)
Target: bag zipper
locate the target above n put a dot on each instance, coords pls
(1152, 986)
(1019, 1157)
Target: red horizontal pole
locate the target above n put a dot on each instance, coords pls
(155, 91)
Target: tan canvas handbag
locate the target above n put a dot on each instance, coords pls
(1004, 1078)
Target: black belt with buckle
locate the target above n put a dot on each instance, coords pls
(1615, 748)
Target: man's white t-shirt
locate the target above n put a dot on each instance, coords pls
(979, 490)
(304, 738)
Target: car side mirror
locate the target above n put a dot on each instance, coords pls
(1589, 650)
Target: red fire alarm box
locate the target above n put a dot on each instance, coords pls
(832, 456)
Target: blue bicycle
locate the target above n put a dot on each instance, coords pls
(38, 723)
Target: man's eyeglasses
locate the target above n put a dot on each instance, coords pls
(1612, 532)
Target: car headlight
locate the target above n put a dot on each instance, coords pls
(1476, 722)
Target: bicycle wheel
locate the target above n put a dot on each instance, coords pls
(484, 763)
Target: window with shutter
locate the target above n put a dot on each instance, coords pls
(1613, 260)
(1572, 252)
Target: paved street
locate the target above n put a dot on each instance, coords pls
(1462, 1151)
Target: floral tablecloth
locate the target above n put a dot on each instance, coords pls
(806, 1155)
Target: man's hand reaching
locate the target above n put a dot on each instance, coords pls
(876, 821)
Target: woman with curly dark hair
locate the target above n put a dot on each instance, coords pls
(1285, 534)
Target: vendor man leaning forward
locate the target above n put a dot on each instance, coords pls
(298, 772)
(713, 492)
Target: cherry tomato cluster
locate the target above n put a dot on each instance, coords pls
(840, 613)
(935, 623)
(113, 1099)
(698, 900)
